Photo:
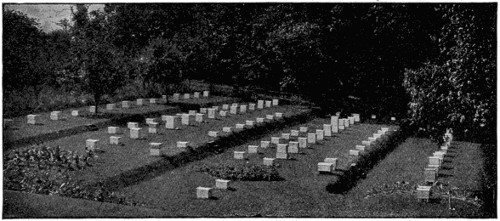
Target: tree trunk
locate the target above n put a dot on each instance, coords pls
(97, 100)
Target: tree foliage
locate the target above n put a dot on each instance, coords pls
(377, 57)
(457, 90)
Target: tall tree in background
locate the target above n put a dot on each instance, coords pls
(22, 50)
(95, 60)
(457, 90)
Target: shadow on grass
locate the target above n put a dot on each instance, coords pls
(442, 175)
(349, 178)
(489, 179)
(168, 163)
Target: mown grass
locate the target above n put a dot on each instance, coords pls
(389, 190)
(21, 130)
(113, 160)
(301, 194)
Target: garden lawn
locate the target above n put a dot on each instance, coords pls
(379, 195)
(113, 160)
(301, 194)
(21, 130)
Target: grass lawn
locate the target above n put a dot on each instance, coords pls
(114, 160)
(27, 205)
(405, 164)
(21, 130)
(302, 193)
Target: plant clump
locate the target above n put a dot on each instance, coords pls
(241, 172)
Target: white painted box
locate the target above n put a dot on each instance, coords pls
(233, 110)
(176, 96)
(303, 142)
(211, 113)
(150, 120)
(140, 102)
(213, 133)
(311, 138)
(114, 140)
(113, 130)
(253, 149)
(203, 192)
(131, 125)
(222, 184)
(327, 128)
(170, 122)
(260, 104)
(239, 155)
(265, 143)
(334, 121)
(353, 152)
(282, 148)
(152, 129)
(319, 135)
(280, 155)
(199, 118)
(268, 103)
(275, 140)
(185, 119)
(135, 133)
(366, 143)
(125, 104)
(55, 115)
(182, 144)
(333, 161)
(91, 144)
(155, 149)
(243, 108)
(275, 102)
(360, 147)
(285, 136)
(293, 147)
(351, 120)
(268, 161)
(223, 113)
(324, 167)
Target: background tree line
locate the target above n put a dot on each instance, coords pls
(432, 63)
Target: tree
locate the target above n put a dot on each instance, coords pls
(22, 47)
(457, 90)
(96, 61)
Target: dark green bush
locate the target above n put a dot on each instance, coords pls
(241, 172)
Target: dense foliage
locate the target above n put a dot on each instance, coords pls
(457, 89)
(372, 55)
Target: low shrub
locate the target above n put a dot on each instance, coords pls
(46, 170)
(241, 172)
(367, 161)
